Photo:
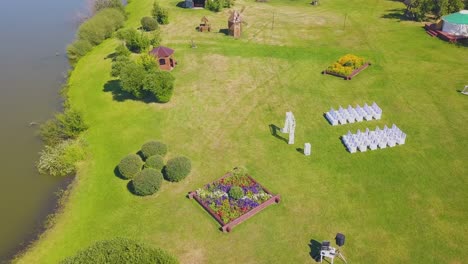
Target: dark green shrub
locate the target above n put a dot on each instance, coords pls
(132, 76)
(130, 165)
(149, 23)
(78, 49)
(236, 192)
(120, 251)
(160, 14)
(160, 84)
(177, 169)
(147, 182)
(118, 64)
(155, 162)
(155, 37)
(122, 50)
(66, 125)
(215, 5)
(134, 40)
(151, 148)
(148, 62)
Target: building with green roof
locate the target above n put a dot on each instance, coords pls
(456, 24)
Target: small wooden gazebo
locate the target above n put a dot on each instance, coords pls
(165, 57)
(204, 25)
(235, 24)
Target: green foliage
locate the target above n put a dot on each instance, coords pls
(148, 62)
(149, 23)
(155, 37)
(130, 165)
(78, 49)
(160, 84)
(132, 76)
(147, 182)
(103, 4)
(61, 159)
(122, 50)
(95, 30)
(420, 9)
(118, 64)
(134, 40)
(101, 26)
(160, 14)
(66, 125)
(236, 192)
(215, 5)
(155, 162)
(151, 148)
(346, 65)
(120, 251)
(177, 169)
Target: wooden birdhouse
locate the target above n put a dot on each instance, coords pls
(235, 24)
(204, 25)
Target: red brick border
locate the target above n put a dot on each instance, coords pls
(227, 227)
(354, 73)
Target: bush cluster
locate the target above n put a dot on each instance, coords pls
(143, 79)
(155, 162)
(64, 126)
(149, 23)
(151, 148)
(177, 169)
(95, 30)
(160, 14)
(103, 4)
(236, 192)
(135, 40)
(147, 182)
(121, 250)
(130, 165)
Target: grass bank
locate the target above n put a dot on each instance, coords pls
(399, 205)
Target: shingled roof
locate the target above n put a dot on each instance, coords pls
(162, 52)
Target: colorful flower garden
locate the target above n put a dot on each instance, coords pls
(347, 66)
(233, 198)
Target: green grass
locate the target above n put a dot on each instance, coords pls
(400, 205)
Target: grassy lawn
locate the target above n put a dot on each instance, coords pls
(399, 205)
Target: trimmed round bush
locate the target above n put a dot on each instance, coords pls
(236, 192)
(147, 182)
(149, 23)
(155, 162)
(177, 169)
(130, 165)
(121, 250)
(153, 148)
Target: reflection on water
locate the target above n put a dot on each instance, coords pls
(33, 37)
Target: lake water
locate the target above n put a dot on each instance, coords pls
(33, 37)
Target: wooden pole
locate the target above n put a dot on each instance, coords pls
(344, 23)
(273, 21)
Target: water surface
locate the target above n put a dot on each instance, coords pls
(33, 37)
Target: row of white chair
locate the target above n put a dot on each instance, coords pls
(351, 115)
(373, 139)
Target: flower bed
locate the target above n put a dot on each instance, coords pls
(222, 200)
(347, 66)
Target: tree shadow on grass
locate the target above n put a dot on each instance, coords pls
(274, 132)
(398, 13)
(118, 174)
(315, 247)
(224, 31)
(112, 56)
(119, 95)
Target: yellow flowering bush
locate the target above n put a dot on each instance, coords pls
(346, 65)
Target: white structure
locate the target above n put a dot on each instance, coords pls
(307, 149)
(331, 253)
(465, 90)
(373, 139)
(456, 24)
(289, 126)
(351, 115)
